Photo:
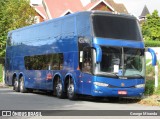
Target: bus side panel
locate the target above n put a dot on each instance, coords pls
(55, 36)
(9, 65)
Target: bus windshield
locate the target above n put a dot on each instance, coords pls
(116, 27)
(119, 61)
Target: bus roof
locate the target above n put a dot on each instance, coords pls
(95, 12)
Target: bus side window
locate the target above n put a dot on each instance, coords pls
(87, 62)
(61, 60)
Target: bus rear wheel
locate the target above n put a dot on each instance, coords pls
(59, 90)
(16, 84)
(22, 87)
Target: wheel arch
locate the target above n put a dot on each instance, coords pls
(67, 76)
(21, 74)
(57, 75)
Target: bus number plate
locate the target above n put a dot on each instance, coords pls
(122, 92)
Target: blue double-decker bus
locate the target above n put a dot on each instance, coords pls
(95, 53)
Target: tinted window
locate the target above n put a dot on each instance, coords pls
(87, 62)
(44, 62)
(110, 56)
(116, 27)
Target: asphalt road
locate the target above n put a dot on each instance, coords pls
(11, 100)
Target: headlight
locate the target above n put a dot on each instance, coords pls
(101, 84)
(140, 86)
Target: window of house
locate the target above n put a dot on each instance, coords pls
(37, 19)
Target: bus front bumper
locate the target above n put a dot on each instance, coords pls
(100, 91)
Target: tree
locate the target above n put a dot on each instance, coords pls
(151, 27)
(2, 36)
(13, 14)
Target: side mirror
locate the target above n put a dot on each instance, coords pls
(98, 53)
(153, 54)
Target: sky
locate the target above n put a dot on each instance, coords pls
(135, 7)
(36, 1)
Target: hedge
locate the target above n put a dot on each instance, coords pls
(0, 73)
(152, 43)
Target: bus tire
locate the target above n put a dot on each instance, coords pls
(59, 90)
(29, 90)
(71, 92)
(22, 87)
(16, 84)
(113, 99)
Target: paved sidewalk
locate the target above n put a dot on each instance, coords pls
(3, 85)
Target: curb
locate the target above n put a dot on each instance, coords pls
(3, 86)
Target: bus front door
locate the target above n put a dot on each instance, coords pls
(86, 71)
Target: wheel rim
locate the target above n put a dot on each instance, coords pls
(59, 89)
(70, 90)
(15, 83)
(21, 84)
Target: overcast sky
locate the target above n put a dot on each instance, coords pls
(135, 7)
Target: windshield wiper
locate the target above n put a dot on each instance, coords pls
(136, 75)
(108, 74)
(113, 74)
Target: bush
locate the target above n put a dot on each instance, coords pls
(149, 87)
(1, 73)
(0, 78)
(150, 81)
(150, 71)
(152, 43)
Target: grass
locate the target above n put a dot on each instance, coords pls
(150, 81)
(153, 100)
(1, 73)
(150, 88)
(147, 61)
(152, 95)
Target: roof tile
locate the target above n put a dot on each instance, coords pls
(57, 8)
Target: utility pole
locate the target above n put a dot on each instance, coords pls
(156, 75)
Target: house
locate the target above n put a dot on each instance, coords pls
(50, 9)
(143, 15)
(40, 13)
